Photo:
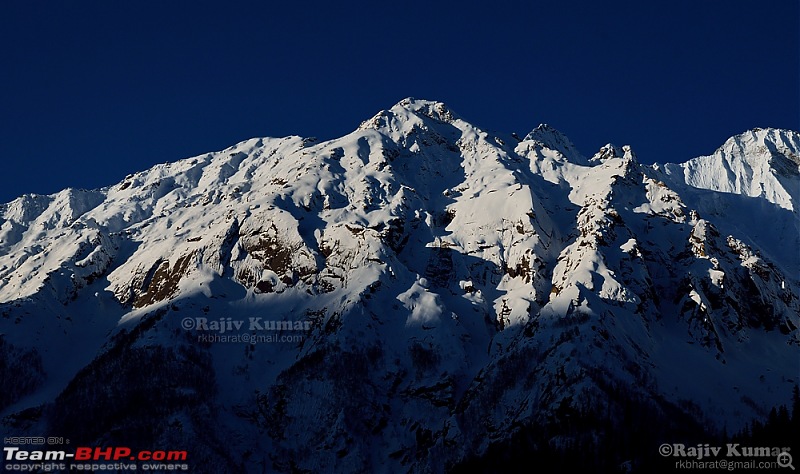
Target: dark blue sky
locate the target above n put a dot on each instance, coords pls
(94, 90)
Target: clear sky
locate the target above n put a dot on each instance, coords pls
(93, 90)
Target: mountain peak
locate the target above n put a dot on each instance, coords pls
(552, 138)
(410, 109)
(428, 108)
(778, 146)
(761, 162)
(610, 150)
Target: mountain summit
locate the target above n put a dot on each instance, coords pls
(757, 163)
(419, 295)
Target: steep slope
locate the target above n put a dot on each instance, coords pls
(443, 291)
(758, 163)
(755, 179)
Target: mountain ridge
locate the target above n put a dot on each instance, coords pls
(460, 287)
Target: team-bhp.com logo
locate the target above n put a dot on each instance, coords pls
(728, 456)
(18, 459)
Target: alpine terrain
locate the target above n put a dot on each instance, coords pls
(421, 295)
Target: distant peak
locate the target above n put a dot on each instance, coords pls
(610, 150)
(545, 127)
(406, 110)
(778, 148)
(607, 151)
(627, 152)
(428, 108)
(769, 131)
(760, 137)
(412, 103)
(553, 139)
(544, 131)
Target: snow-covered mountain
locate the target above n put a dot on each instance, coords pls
(756, 190)
(453, 294)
